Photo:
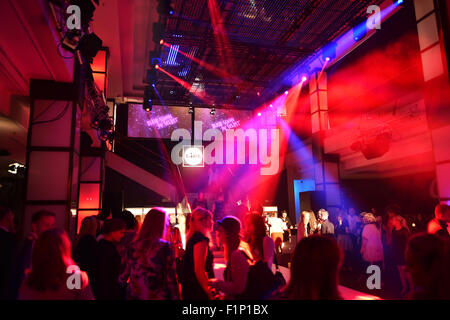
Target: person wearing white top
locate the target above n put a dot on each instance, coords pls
(372, 247)
(277, 227)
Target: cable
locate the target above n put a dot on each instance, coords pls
(58, 117)
(44, 111)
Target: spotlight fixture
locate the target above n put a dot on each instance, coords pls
(271, 106)
(164, 7)
(329, 51)
(259, 114)
(152, 76)
(286, 92)
(398, 2)
(359, 29)
(155, 58)
(148, 101)
(304, 78)
(191, 110)
(158, 33)
(213, 111)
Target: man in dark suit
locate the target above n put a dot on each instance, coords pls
(7, 243)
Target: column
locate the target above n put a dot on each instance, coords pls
(326, 167)
(433, 28)
(52, 152)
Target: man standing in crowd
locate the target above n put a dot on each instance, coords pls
(326, 227)
(440, 224)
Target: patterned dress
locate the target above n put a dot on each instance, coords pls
(151, 273)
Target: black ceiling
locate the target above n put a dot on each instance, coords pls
(263, 39)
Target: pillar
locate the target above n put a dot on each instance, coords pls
(53, 146)
(432, 19)
(326, 166)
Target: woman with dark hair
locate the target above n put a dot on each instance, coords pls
(257, 244)
(315, 269)
(235, 274)
(427, 262)
(85, 244)
(197, 266)
(150, 272)
(51, 274)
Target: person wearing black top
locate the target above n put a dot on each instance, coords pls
(399, 240)
(105, 283)
(84, 249)
(197, 266)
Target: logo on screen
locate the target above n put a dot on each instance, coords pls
(193, 156)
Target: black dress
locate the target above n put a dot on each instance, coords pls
(190, 287)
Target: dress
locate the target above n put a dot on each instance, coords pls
(373, 251)
(343, 238)
(151, 275)
(190, 287)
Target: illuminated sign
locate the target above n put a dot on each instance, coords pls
(223, 125)
(193, 156)
(162, 122)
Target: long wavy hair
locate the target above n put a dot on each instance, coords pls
(89, 226)
(153, 228)
(50, 258)
(255, 238)
(314, 270)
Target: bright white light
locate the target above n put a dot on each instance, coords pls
(304, 79)
(259, 114)
(286, 92)
(193, 156)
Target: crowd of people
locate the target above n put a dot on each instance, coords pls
(121, 259)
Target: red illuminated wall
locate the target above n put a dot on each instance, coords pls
(377, 73)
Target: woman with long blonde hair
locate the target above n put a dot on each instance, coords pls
(197, 266)
(302, 229)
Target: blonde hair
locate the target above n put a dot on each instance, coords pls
(153, 228)
(369, 218)
(323, 214)
(303, 216)
(199, 214)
